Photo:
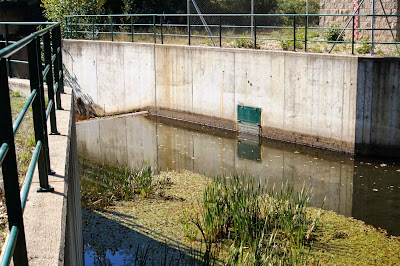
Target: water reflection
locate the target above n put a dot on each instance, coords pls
(168, 144)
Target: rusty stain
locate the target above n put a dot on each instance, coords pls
(245, 84)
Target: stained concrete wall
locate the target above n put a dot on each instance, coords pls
(131, 140)
(305, 98)
(378, 107)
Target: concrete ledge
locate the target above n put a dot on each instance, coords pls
(46, 213)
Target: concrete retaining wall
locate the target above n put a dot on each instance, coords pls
(305, 98)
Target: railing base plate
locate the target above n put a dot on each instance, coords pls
(41, 189)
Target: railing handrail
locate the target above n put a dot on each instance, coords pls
(76, 25)
(235, 15)
(15, 47)
(15, 245)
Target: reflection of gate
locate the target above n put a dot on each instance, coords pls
(249, 119)
(249, 147)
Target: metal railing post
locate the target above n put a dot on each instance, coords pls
(76, 28)
(220, 31)
(305, 34)
(294, 33)
(56, 69)
(45, 141)
(132, 30)
(188, 30)
(38, 112)
(255, 31)
(59, 60)
(50, 83)
(93, 28)
(352, 38)
(10, 171)
(10, 73)
(154, 30)
(161, 29)
(112, 28)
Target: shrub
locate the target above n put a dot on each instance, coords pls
(333, 33)
(245, 43)
(365, 47)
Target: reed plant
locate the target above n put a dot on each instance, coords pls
(262, 226)
(103, 185)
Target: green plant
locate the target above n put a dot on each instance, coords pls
(263, 226)
(189, 228)
(365, 47)
(333, 33)
(144, 181)
(245, 43)
(16, 94)
(287, 45)
(56, 10)
(104, 185)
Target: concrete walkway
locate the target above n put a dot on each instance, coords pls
(45, 214)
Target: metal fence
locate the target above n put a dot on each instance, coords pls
(45, 64)
(297, 32)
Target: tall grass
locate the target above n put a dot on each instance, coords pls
(262, 227)
(101, 186)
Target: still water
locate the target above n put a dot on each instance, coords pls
(365, 188)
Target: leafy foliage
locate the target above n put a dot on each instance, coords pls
(365, 47)
(333, 33)
(56, 10)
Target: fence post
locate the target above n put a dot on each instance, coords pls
(56, 69)
(10, 172)
(76, 28)
(112, 28)
(10, 73)
(45, 141)
(294, 33)
(220, 31)
(154, 29)
(132, 32)
(188, 30)
(161, 24)
(352, 38)
(93, 28)
(305, 34)
(38, 112)
(255, 32)
(50, 83)
(59, 60)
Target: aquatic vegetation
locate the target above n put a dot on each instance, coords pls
(262, 227)
(104, 185)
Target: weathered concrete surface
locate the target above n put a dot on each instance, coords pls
(305, 98)
(167, 144)
(378, 107)
(47, 235)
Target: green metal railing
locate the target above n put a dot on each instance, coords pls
(157, 25)
(15, 245)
